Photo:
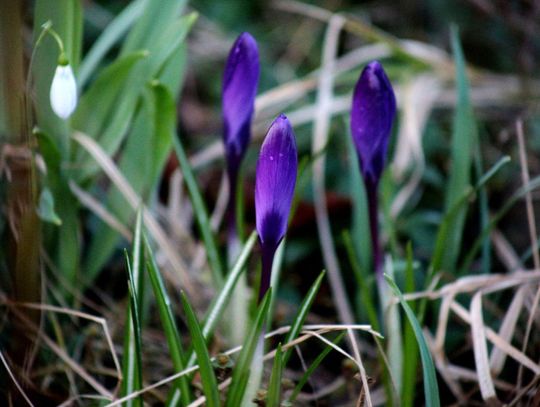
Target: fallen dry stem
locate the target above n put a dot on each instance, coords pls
(14, 379)
(79, 314)
(534, 241)
(61, 353)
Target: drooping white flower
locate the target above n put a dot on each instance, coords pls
(63, 91)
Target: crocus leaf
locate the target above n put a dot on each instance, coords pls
(274, 388)
(464, 136)
(431, 388)
(208, 377)
(170, 329)
(241, 372)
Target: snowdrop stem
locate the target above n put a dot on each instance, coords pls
(47, 29)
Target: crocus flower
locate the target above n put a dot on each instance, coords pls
(239, 89)
(372, 115)
(63, 94)
(274, 189)
(240, 82)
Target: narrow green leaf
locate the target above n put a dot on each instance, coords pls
(298, 322)
(165, 125)
(206, 370)
(146, 32)
(410, 358)
(201, 215)
(274, 388)
(137, 265)
(108, 38)
(431, 388)
(166, 316)
(305, 377)
(219, 305)
(45, 208)
(132, 357)
(241, 372)
(173, 72)
(392, 327)
(463, 144)
(68, 248)
(483, 209)
(360, 219)
(97, 104)
(362, 280)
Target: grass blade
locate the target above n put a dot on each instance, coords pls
(298, 322)
(360, 219)
(219, 305)
(274, 388)
(410, 359)
(206, 370)
(431, 388)
(167, 320)
(241, 372)
(132, 359)
(362, 279)
(463, 144)
(201, 214)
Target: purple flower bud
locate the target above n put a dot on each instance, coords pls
(274, 189)
(373, 112)
(239, 89)
(275, 181)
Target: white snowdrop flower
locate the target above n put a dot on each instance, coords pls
(63, 91)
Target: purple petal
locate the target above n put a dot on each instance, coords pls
(373, 112)
(239, 89)
(275, 181)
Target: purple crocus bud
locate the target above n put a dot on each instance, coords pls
(274, 189)
(372, 115)
(373, 112)
(239, 89)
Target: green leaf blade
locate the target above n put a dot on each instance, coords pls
(254, 339)
(431, 388)
(208, 377)
(274, 388)
(172, 335)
